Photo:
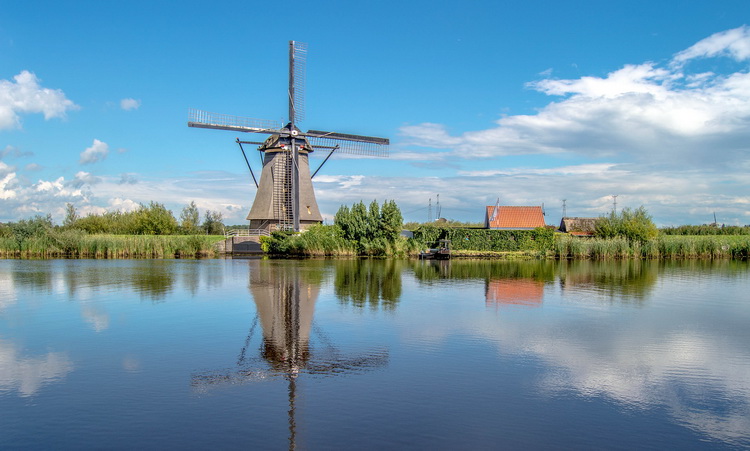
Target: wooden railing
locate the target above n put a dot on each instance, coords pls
(247, 232)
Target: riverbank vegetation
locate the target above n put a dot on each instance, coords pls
(372, 231)
(152, 231)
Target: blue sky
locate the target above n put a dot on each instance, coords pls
(531, 103)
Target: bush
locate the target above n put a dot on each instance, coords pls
(633, 225)
(540, 239)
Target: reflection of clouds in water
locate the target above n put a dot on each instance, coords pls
(28, 374)
(131, 364)
(641, 359)
(97, 318)
(7, 291)
(643, 369)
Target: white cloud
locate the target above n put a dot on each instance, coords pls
(5, 183)
(83, 178)
(641, 111)
(661, 135)
(24, 95)
(127, 179)
(428, 135)
(14, 152)
(97, 152)
(130, 104)
(733, 43)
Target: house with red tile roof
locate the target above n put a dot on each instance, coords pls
(513, 218)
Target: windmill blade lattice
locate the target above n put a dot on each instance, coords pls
(297, 76)
(205, 119)
(350, 147)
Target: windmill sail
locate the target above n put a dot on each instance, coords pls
(205, 119)
(351, 144)
(297, 76)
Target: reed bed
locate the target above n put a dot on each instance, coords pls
(661, 247)
(74, 244)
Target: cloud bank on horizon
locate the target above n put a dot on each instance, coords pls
(672, 136)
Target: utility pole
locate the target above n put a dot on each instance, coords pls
(614, 196)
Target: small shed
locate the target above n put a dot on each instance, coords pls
(578, 226)
(513, 218)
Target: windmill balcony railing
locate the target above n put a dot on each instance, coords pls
(247, 232)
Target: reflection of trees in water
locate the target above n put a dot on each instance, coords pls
(362, 282)
(428, 270)
(620, 280)
(728, 268)
(35, 275)
(627, 279)
(152, 279)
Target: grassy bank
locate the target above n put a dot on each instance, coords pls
(660, 247)
(76, 244)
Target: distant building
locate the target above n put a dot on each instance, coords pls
(513, 218)
(578, 226)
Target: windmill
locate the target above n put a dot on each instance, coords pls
(285, 199)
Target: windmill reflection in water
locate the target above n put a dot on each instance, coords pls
(285, 303)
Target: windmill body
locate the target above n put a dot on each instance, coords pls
(285, 199)
(272, 207)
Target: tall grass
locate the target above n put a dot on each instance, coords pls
(77, 244)
(660, 247)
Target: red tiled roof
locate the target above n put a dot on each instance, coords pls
(515, 217)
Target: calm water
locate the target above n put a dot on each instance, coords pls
(255, 354)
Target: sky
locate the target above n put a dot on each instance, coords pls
(531, 103)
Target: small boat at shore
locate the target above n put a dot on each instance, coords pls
(442, 252)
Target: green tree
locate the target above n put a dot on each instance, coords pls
(71, 215)
(634, 225)
(213, 223)
(372, 229)
(189, 219)
(154, 219)
(391, 221)
(36, 227)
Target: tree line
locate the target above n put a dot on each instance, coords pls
(151, 219)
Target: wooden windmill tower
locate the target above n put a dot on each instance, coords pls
(285, 199)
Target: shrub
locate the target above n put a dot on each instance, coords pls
(634, 225)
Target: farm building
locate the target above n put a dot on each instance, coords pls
(578, 226)
(513, 218)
